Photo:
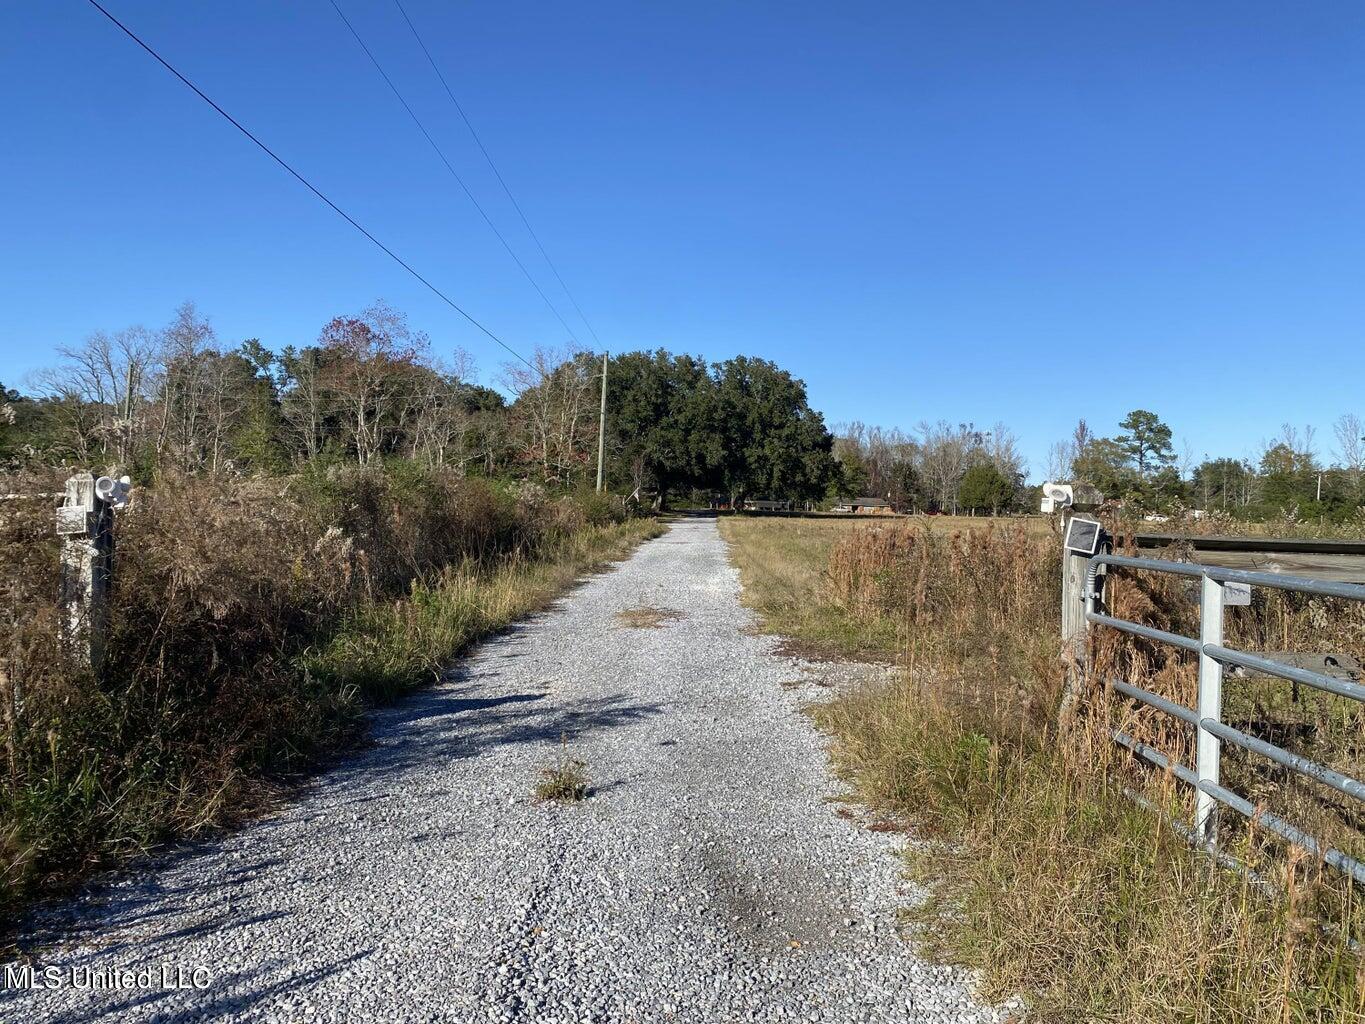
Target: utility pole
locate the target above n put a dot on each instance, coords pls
(602, 424)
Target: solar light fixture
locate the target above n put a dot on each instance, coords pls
(1083, 536)
(115, 492)
(1057, 497)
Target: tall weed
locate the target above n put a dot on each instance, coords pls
(1045, 874)
(253, 621)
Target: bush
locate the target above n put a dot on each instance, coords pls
(252, 621)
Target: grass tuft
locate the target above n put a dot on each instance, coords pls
(566, 782)
(647, 618)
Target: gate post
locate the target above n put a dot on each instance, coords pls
(1075, 600)
(85, 522)
(1210, 707)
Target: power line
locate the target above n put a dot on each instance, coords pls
(496, 173)
(453, 173)
(306, 183)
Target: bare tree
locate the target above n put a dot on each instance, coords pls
(442, 423)
(554, 411)
(226, 379)
(187, 344)
(945, 454)
(102, 390)
(1002, 448)
(1059, 460)
(1062, 455)
(303, 402)
(1350, 433)
(1300, 443)
(370, 372)
(1187, 460)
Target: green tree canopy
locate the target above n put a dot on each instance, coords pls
(985, 487)
(1146, 441)
(665, 434)
(776, 445)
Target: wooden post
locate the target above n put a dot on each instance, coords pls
(602, 424)
(1074, 625)
(1073, 598)
(85, 523)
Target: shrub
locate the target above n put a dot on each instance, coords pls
(252, 621)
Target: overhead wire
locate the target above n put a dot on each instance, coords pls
(451, 168)
(496, 173)
(308, 184)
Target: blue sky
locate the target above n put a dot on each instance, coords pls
(972, 211)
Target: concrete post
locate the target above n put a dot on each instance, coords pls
(85, 522)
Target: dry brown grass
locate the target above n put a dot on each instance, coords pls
(1046, 877)
(253, 622)
(647, 617)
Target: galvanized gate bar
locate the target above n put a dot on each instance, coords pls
(1299, 584)
(1296, 762)
(1160, 703)
(1344, 863)
(1156, 757)
(1341, 861)
(1154, 564)
(1271, 667)
(1150, 632)
(1207, 719)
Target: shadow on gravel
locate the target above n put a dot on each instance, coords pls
(129, 918)
(454, 722)
(240, 992)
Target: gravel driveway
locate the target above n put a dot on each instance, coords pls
(707, 879)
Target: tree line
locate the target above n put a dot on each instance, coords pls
(940, 467)
(369, 389)
(1288, 476)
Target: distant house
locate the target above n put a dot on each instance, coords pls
(865, 506)
(766, 505)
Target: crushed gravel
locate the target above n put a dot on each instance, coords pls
(708, 877)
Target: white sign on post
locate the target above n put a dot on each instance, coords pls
(1235, 594)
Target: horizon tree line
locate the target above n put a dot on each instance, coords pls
(1140, 465)
(370, 390)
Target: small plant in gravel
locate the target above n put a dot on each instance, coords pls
(565, 783)
(647, 618)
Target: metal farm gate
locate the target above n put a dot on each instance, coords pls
(1087, 562)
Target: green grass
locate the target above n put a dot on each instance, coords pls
(384, 650)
